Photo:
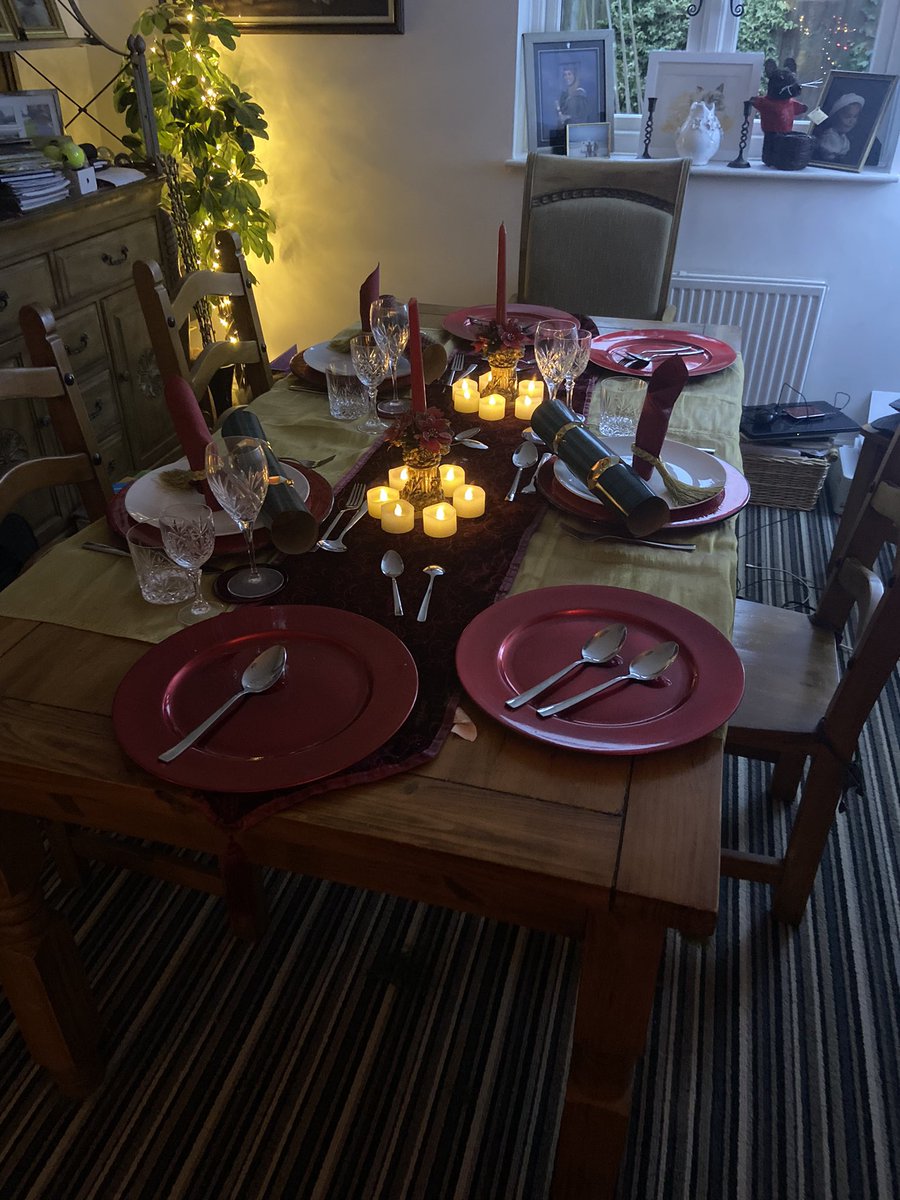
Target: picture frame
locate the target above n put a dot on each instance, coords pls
(8, 31)
(35, 19)
(11, 127)
(590, 140)
(314, 16)
(676, 78)
(844, 140)
(38, 111)
(570, 78)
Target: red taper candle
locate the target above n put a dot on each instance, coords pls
(501, 275)
(416, 371)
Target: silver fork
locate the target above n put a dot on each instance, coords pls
(583, 535)
(456, 365)
(353, 502)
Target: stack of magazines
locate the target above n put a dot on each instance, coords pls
(28, 180)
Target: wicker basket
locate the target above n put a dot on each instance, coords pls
(789, 482)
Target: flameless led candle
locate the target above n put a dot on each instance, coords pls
(398, 477)
(397, 517)
(468, 500)
(533, 388)
(439, 520)
(484, 382)
(451, 478)
(377, 496)
(492, 407)
(525, 405)
(465, 396)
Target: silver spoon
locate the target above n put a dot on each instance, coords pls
(432, 572)
(392, 567)
(524, 455)
(644, 667)
(599, 648)
(265, 670)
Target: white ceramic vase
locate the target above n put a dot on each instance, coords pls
(699, 137)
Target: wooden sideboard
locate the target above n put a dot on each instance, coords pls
(76, 258)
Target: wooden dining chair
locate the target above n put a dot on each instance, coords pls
(799, 707)
(167, 321)
(598, 236)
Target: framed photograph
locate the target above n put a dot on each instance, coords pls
(11, 127)
(314, 16)
(570, 79)
(37, 18)
(854, 103)
(37, 113)
(591, 140)
(679, 77)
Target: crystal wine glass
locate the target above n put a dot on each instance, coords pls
(579, 363)
(189, 536)
(555, 345)
(370, 362)
(238, 474)
(390, 324)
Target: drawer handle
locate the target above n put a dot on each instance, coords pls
(82, 345)
(115, 262)
(4, 300)
(96, 410)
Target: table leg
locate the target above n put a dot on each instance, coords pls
(619, 964)
(40, 970)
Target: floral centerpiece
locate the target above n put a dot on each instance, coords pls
(423, 437)
(501, 343)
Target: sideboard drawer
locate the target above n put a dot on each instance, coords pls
(105, 261)
(25, 283)
(100, 402)
(82, 336)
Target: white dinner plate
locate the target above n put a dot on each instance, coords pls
(319, 356)
(146, 498)
(686, 463)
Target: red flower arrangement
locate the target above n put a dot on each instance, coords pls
(493, 336)
(429, 431)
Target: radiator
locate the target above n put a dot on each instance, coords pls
(778, 320)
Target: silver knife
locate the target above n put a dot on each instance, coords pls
(473, 445)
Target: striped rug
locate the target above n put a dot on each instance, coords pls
(374, 1049)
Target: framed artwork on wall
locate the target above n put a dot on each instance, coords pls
(314, 16)
(35, 18)
(854, 103)
(679, 77)
(570, 79)
(8, 32)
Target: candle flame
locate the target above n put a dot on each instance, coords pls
(439, 514)
(398, 510)
(468, 494)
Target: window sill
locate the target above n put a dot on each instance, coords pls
(758, 171)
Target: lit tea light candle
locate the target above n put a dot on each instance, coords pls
(451, 479)
(398, 517)
(465, 396)
(439, 520)
(484, 381)
(398, 477)
(532, 387)
(492, 407)
(468, 500)
(377, 496)
(526, 404)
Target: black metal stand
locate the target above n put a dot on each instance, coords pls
(740, 161)
(648, 128)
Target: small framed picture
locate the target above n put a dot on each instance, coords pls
(37, 112)
(37, 18)
(570, 79)
(854, 103)
(8, 31)
(591, 140)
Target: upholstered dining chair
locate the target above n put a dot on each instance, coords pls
(799, 707)
(598, 236)
(167, 318)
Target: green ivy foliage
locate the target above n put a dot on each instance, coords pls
(206, 123)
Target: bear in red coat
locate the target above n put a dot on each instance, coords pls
(778, 107)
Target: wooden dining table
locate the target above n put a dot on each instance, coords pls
(609, 850)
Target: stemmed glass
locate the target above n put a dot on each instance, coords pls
(579, 363)
(370, 362)
(238, 474)
(555, 345)
(189, 536)
(390, 324)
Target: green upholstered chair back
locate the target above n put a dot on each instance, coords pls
(598, 237)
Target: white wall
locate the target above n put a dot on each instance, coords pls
(393, 148)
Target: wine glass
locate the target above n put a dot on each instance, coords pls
(189, 536)
(390, 324)
(238, 474)
(579, 363)
(370, 362)
(555, 345)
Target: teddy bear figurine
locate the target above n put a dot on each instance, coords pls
(782, 148)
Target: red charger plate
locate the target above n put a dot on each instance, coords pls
(528, 315)
(349, 686)
(607, 350)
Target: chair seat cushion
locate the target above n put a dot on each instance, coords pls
(791, 672)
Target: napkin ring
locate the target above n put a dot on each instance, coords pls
(562, 431)
(600, 467)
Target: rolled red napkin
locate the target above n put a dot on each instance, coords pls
(665, 386)
(369, 291)
(190, 427)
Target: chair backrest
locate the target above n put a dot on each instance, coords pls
(167, 316)
(852, 581)
(598, 236)
(50, 379)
